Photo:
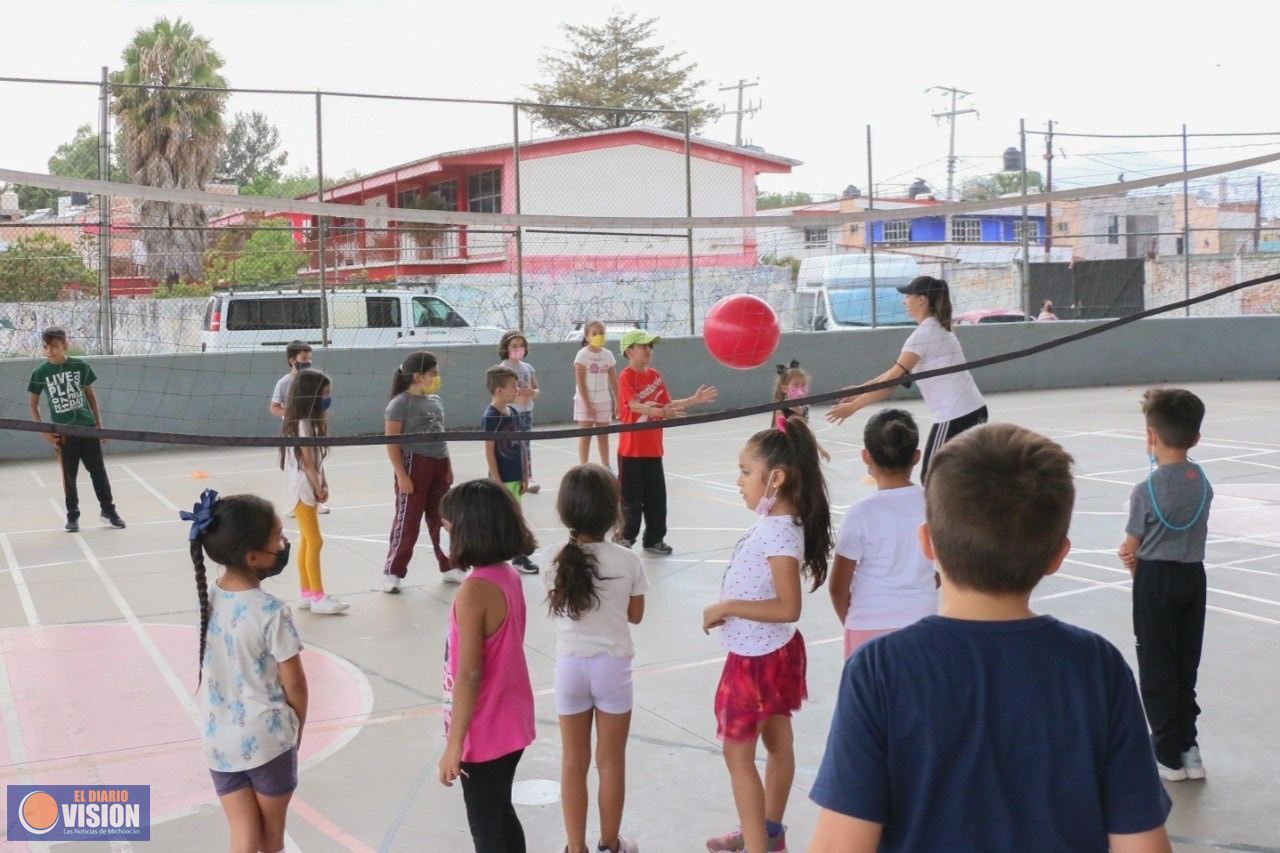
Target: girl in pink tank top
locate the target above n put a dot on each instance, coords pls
(488, 698)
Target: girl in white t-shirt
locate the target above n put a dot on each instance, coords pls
(306, 486)
(880, 579)
(953, 398)
(763, 681)
(595, 396)
(595, 591)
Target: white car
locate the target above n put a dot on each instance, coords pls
(356, 319)
(613, 329)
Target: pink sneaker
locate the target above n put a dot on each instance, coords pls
(735, 842)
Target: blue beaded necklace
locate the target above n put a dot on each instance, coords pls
(1204, 498)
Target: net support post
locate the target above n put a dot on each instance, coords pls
(1186, 225)
(515, 159)
(688, 211)
(321, 225)
(104, 218)
(1026, 233)
(868, 234)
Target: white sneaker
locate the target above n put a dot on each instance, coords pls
(328, 605)
(322, 509)
(390, 583)
(626, 845)
(453, 576)
(1192, 764)
(304, 604)
(1171, 774)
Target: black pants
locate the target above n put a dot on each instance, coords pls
(943, 431)
(644, 492)
(1168, 623)
(486, 789)
(72, 451)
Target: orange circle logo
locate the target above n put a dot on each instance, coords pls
(38, 812)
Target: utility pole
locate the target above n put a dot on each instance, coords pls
(950, 115)
(748, 110)
(1048, 187)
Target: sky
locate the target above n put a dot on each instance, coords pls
(825, 71)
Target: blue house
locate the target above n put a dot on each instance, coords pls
(1000, 226)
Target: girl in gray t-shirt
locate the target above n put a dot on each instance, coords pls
(422, 469)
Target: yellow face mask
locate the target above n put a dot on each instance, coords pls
(595, 340)
(433, 386)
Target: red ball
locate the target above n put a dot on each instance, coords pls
(741, 331)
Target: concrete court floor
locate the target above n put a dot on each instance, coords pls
(99, 644)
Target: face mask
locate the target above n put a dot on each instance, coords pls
(302, 365)
(795, 392)
(282, 560)
(326, 403)
(765, 505)
(517, 353)
(433, 386)
(596, 341)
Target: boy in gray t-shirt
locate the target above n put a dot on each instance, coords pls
(1164, 551)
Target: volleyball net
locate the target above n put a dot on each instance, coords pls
(373, 272)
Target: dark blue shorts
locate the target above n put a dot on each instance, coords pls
(277, 777)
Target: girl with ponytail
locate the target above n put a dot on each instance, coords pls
(953, 398)
(763, 681)
(881, 580)
(423, 472)
(252, 689)
(595, 593)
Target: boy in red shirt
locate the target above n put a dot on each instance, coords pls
(643, 397)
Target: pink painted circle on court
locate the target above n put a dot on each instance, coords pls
(92, 706)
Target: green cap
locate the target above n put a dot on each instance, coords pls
(636, 336)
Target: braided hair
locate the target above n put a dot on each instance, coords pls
(241, 523)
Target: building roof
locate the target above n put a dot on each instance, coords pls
(750, 153)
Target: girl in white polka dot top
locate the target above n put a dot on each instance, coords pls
(763, 681)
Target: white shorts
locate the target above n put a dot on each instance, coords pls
(602, 681)
(602, 411)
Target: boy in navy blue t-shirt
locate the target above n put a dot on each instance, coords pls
(506, 458)
(988, 727)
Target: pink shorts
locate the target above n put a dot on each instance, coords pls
(601, 408)
(602, 681)
(854, 639)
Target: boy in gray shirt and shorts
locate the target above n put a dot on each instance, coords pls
(1164, 551)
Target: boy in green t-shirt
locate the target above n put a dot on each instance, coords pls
(68, 383)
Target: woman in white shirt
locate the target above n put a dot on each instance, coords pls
(953, 399)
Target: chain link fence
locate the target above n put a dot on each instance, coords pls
(63, 253)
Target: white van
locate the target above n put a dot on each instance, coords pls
(357, 319)
(834, 292)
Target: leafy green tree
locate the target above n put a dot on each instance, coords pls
(251, 150)
(997, 185)
(769, 201)
(75, 158)
(262, 255)
(619, 64)
(36, 267)
(171, 136)
(297, 183)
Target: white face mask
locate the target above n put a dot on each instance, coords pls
(765, 505)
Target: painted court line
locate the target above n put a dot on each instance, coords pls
(19, 581)
(13, 736)
(39, 480)
(168, 503)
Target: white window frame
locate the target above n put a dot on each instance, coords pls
(965, 229)
(486, 199)
(1032, 226)
(812, 240)
(897, 231)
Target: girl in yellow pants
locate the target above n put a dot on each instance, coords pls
(306, 485)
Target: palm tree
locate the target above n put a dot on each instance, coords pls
(171, 137)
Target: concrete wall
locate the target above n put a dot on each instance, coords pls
(226, 394)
